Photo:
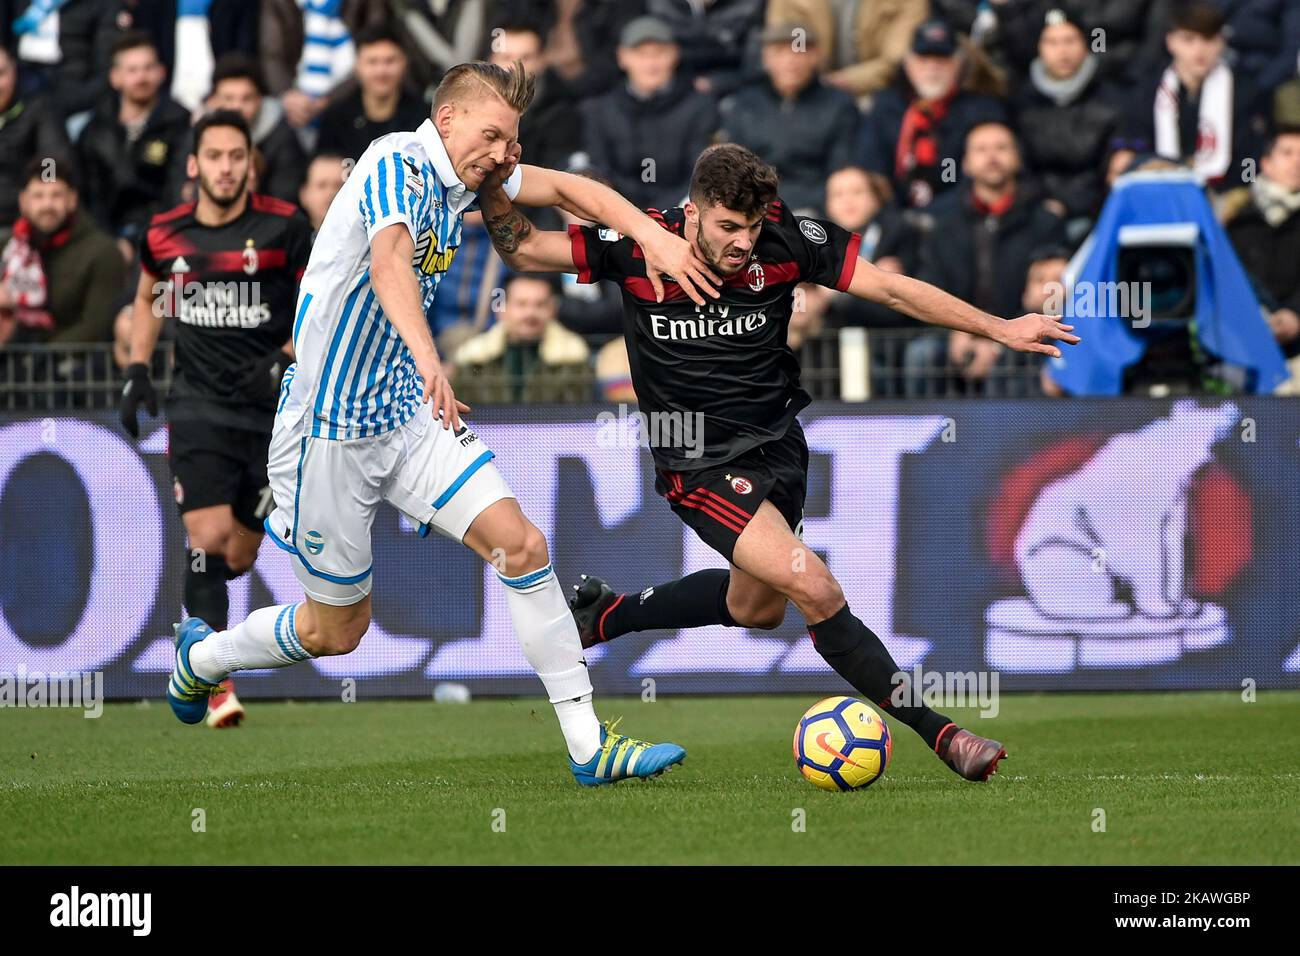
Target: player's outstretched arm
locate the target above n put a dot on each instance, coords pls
(522, 247)
(925, 302)
(664, 252)
(394, 282)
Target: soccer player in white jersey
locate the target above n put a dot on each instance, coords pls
(366, 414)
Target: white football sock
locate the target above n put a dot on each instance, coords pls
(267, 638)
(549, 638)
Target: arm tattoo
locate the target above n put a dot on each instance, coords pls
(508, 230)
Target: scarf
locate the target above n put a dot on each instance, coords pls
(916, 143)
(998, 208)
(24, 272)
(1062, 92)
(1214, 123)
(328, 53)
(1276, 204)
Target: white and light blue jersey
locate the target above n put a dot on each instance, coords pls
(354, 374)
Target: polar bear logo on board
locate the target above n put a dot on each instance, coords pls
(1101, 554)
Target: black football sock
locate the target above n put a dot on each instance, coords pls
(860, 657)
(205, 590)
(693, 601)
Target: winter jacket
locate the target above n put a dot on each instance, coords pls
(622, 131)
(878, 134)
(1269, 253)
(949, 250)
(806, 138)
(882, 35)
(1066, 146)
(286, 162)
(27, 129)
(124, 184)
(84, 277)
(489, 370)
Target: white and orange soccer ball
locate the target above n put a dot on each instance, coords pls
(842, 744)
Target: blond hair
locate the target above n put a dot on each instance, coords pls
(465, 81)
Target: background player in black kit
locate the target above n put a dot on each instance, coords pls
(227, 267)
(742, 488)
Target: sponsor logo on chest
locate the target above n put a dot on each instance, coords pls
(709, 322)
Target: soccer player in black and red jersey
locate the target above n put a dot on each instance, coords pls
(227, 267)
(742, 488)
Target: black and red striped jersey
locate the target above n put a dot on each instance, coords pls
(232, 290)
(727, 360)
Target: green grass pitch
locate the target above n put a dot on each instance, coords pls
(1198, 778)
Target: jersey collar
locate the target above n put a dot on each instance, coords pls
(458, 195)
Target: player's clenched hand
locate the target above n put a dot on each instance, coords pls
(502, 171)
(1029, 333)
(137, 391)
(674, 257)
(437, 389)
(261, 377)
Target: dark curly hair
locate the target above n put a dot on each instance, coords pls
(735, 178)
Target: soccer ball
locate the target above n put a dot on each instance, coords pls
(841, 744)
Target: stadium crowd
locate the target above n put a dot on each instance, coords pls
(971, 142)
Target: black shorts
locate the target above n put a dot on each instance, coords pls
(217, 465)
(719, 501)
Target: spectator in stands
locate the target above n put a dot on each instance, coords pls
(133, 149)
(62, 276)
(580, 37)
(614, 371)
(1263, 222)
(550, 132)
(324, 179)
(984, 237)
(1197, 110)
(719, 40)
(527, 357)
(792, 119)
(1067, 117)
(28, 129)
(382, 102)
(66, 52)
(191, 37)
(436, 35)
(645, 133)
(307, 52)
(862, 42)
(863, 202)
(1045, 294)
(1264, 36)
(237, 85)
(916, 127)
(1114, 30)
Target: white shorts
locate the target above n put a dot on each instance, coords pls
(326, 492)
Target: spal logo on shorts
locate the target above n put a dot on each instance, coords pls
(315, 542)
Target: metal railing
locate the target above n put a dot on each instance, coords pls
(856, 364)
(847, 364)
(46, 378)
